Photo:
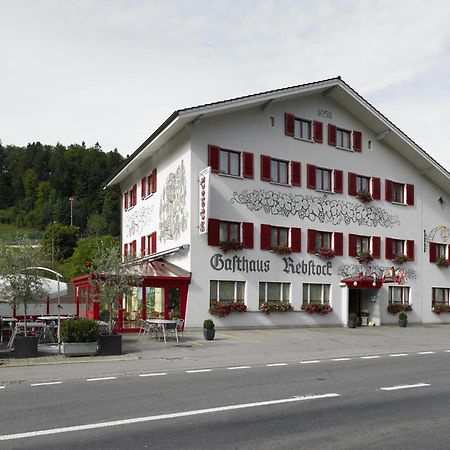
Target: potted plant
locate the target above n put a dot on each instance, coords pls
(281, 250)
(22, 287)
(111, 279)
(326, 253)
(352, 320)
(399, 259)
(226, 246)
(79, 337)
(275, 306)
(364, 196)
(402, 320)
(208, 329)
(365, 257)
(442, 261)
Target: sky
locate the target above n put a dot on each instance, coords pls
(111, 71)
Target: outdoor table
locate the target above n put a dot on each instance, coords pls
(161, 323)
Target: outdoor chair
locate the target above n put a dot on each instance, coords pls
(171, 330)
(180, 326)
(144, 327)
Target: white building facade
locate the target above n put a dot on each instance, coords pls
(305, 201)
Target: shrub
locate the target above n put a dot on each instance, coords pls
(352, 316)
(208, 324)
(79, 330)
(402, 316)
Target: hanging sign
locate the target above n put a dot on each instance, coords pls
(203, 200)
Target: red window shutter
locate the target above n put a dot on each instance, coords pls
(213, 232)
(289, 124)
(318, 131)
(125, 201)
(352, 183)
(296, 239)
(153, 239)
(357, 141)
(376, 247)
(142, 245)
(311, 245)
(266, 231)
(410, 250)
(338, 243)
(133, 248)
(388, 190)
(125, 250)
(248, 165)
(154, 181)
(338, 181)
(213, 158)
(352, 251)
(247, 234)
(143, 187)
(265, 168)
(134, 194)
(433, 252)
(388, 249)
(410, 194)
(332, 135)
(295, 173)
(311, 178)
(376, 189)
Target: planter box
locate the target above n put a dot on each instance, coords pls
(403, 323)
(209, 334)
(110, 344)
(352, 323)
(79, 348)
(26, 347)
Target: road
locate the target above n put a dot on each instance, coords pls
(396, 400)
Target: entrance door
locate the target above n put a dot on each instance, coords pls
(173, 303)
(354, 302)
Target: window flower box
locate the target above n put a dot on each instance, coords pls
(317, 308)
(364, 196)
(281, 250)
(365, 257)
(399, 259)
(274, 306)
(439, 309)
(226, 246)
(394, 308)
(442, 262)
(223, 309)
(326, 253)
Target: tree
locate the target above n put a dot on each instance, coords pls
(59, 240)
(96, 225)
(111, 278)
(22, 286)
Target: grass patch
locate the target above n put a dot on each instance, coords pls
(8, 233)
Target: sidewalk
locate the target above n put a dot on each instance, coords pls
(253, 346)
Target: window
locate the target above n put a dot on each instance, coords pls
(324, 179)
(343, 139)
(303, 129)
(274, 292)
(358, 245)
(279, 171)
(130, 198)
(398, 247)
(439, 253)
(229, 231)
(362, 183)
(399, 192)
(230, 162)
(323, 240)
(440, 296)
(326, 240)
(279, 237)
(148, 185)
(226, 291)
(151, 243)
(316, 293)
(399, 295)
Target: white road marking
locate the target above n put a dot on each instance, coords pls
(426, 353)
(92, 426)
(152, 374)
(399, 354)
(101, 379)
(313, 361)
(341, 359)
(370, 357)
(2, 387)
(447, 351)
(276, 364)
(198, 371)
(404, 386)
(238, 367)
(49, 383)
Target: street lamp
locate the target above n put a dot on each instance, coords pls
(71, 199)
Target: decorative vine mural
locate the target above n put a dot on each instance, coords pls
(350, 270)
(173, 215)
(315, 209)
(136, 220)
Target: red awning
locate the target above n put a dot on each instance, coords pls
(361, 281)
(160, 268)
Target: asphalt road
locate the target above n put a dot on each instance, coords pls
(397, 400)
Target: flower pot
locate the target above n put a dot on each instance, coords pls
(79, 348)
(209, 333)
(26, 347)
(110, 344)
(402, 323)
(352, 323)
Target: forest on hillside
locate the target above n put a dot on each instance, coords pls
(37, 181)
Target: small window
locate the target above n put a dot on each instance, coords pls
(230, 162)
(440, 296)
(398, 193)
(303, 129)
(362, 184)
(441, 251)
(226, 291)
(279, 237)
(343, 139)
(362, 244)
(323, 240)
(323, 179)
(398, 247)
(229, 231)
(399, 295)
(316, 293)
(279, 171)
(274, 292)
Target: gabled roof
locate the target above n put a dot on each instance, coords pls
(335, 88)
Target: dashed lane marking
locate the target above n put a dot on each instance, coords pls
(341, 359)
(198, 370)
(158, 374)
(404, 386)
(238, 367)
(276, 364)
(312, 361)
(48, 383)
(426, 353)
(399, 354)
(371, 357)
(101, 379)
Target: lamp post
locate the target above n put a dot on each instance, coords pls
(71, 199)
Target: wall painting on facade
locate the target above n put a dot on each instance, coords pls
(136, 220)
(316, 209)
(384, 272)
(173, 214)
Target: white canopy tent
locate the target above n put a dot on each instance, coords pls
(49, 285)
